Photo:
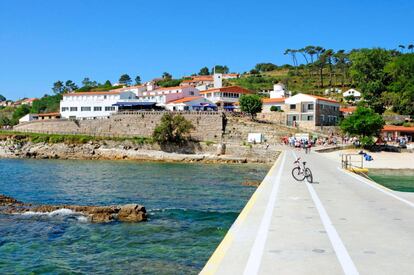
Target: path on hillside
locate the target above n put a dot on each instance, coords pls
(341, 224)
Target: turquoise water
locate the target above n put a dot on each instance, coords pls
(191, 207)
(398, 181)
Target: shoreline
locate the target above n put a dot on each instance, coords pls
(13, 149)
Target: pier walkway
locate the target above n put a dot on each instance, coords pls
(340, 224)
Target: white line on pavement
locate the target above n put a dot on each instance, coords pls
(342, 254)
(256, 253)
(373, 185)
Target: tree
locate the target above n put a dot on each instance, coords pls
(367, 72)
(172, 129)
(265, 67)
(166, 76)
(58, 87)
(20, 112)
(107, 84)
(70, 86)
(204, 71)
(401, 74)
(137, 80)
(251, 104)
(402, 47)
(342, 63)
(411, 48)
(219, 69)
(46, 104)
(86, 82)
(364, 123)
(2, 98)
(125, 79)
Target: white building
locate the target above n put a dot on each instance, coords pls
(93, 104)
(352, 92)
(279, 91)
(162, 96)
(28, 118)
(269, 102)
(225, 97)
(193, 103)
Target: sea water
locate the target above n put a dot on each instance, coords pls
(190, 206)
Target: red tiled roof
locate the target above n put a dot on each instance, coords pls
(167, 88)
(113, 92)
(323, 98)
(29, 99)
(49, 114)
(273, 100)
(186, 99)
(393, 128)
(231, 89)
(350, 109)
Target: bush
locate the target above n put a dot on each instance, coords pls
(251, 104)
(172, 129)
(274, 109)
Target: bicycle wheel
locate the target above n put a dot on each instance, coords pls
(297, 174)
(308, 175)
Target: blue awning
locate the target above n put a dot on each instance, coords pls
(205, 105)
(229, 107)
(132, 104)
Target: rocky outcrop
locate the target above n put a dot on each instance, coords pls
(97, 214)
(126, 150)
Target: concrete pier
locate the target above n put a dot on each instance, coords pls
(339, 224)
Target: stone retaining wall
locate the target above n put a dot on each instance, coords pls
(208, 126)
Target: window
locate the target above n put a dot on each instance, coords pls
(65, 109)
(310, 118)
(85, 109)
(310, 106)
(73, 109)
(292, 106)
(105, 96)
(110, 108)
(97, 109)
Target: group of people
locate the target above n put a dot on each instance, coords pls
(299, 143)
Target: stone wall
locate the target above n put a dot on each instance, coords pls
(238, 128)
(208, 126)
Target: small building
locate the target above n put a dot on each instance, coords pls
(194, 103)
(48, 116)
(278, 91)
(225, 97)
(279, 103)
(392, 132)
(162, 96)
(28, 118)
(309, 111)
(28, 101)
(352, 93)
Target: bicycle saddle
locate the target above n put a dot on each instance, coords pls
(304, 163)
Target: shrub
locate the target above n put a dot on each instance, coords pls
(172, 129)
(274, 109)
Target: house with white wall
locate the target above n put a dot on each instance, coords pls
(161, 96)
(225, 97)
(192, 103)
(93, 104)
(279, 104)
(352, 92)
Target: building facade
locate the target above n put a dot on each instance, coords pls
(225, 97)
(93, 104)
(309, 111)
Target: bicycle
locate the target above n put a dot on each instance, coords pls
(300, 172)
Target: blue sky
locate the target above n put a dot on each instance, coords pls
(48, 40)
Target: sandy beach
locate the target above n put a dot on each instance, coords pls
(382, 160)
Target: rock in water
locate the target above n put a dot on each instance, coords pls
(98, 214)
(132, 213)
